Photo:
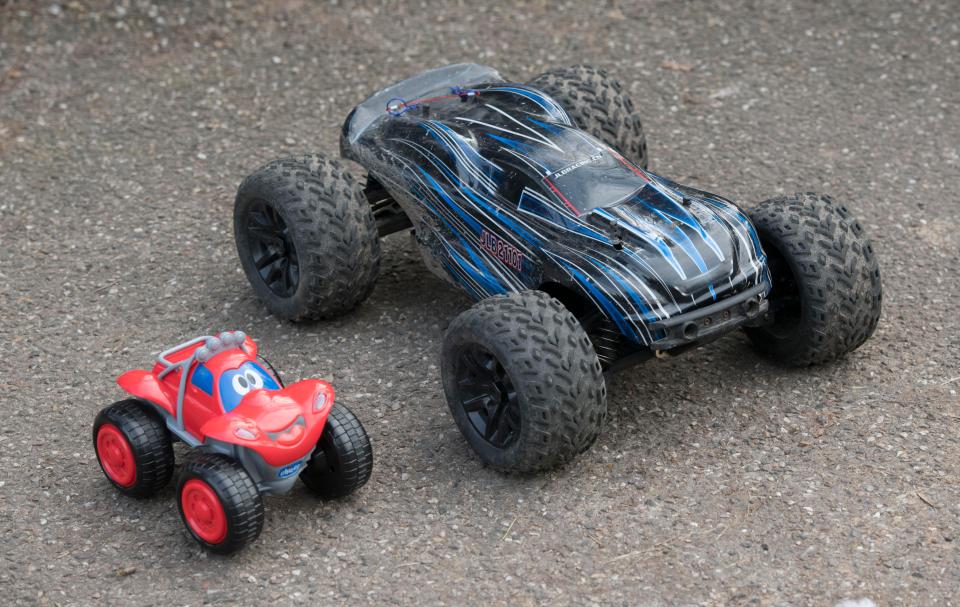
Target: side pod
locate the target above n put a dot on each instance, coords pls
(142, 384)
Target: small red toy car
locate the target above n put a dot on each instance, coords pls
(255, 436)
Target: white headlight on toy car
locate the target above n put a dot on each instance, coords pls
(245, 432)
(320, 401)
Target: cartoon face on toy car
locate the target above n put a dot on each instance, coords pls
(236, 383)
(216, 390)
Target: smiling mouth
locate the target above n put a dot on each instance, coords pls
(291, 434)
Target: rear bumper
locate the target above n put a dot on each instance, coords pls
(710, 322)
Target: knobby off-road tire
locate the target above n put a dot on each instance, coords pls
(598, 105)
(143, 450)
(322, 224)
(241, 503)
(528, 351)
(343, 459)
(827, 292)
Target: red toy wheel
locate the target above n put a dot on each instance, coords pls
(133, 447)
(203, 511)
(219, 503)
(116, 455)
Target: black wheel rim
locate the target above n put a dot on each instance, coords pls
(272, 250)
(488, 397)
(785, 303)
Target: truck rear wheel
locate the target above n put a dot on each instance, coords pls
(306, 238)
(827, 293)
(597, 104)
(523, 382)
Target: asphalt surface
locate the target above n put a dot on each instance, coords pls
(719, 479)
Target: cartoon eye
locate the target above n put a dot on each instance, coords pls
(240, 385)
(254, 379)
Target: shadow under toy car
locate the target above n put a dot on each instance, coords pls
(254, 434)
(535, 199)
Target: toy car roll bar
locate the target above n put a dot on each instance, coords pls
(211, 345)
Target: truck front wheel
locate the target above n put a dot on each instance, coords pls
(827, 293)
(523, 382)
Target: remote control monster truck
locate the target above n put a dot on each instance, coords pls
(254, 435)
(535, 200)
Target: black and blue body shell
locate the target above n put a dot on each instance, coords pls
(506, 193)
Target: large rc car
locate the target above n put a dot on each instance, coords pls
(254, 435)
(536, 201)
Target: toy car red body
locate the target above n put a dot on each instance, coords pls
(255, 436)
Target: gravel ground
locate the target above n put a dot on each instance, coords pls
(720, 479)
